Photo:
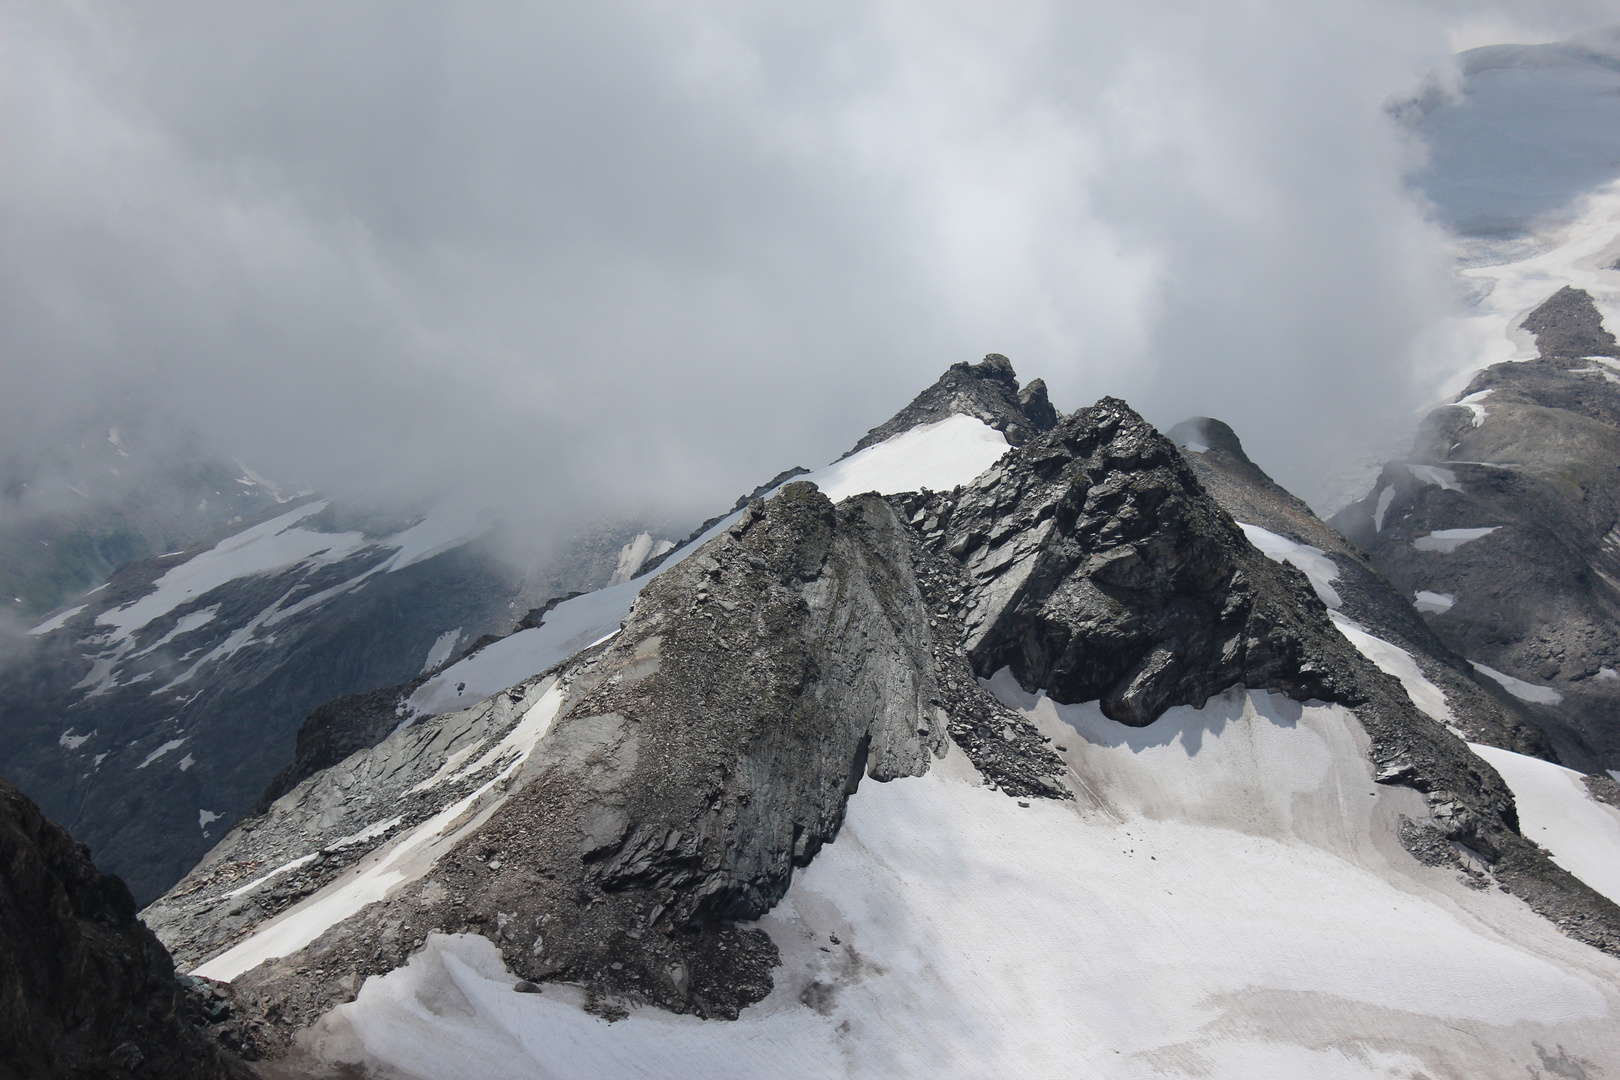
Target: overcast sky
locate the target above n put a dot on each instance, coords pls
(604, 255)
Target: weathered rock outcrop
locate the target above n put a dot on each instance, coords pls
(1099, 568)
(1480, 708)
(987, 390)
(693, 761)
(88, 991)
(1508, 513)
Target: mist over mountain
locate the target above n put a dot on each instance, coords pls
(579, 260)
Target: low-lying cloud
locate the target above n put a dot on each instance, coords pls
(587, 258)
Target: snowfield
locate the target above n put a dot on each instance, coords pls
(1557, 812)
(1225, 898)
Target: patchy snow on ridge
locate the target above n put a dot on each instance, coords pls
(1558, 812)
(1396, 661)
(938, 456)
(935, 457)
(1524, 691)
(1310, 560)
(404, 859)
(1225, 898)
(264, 548)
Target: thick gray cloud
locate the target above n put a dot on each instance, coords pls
(587, 257)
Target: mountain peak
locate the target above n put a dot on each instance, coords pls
(987, 390)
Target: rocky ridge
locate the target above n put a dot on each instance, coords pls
(987, 390)
(1479, 708)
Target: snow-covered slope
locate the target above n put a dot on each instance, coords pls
(1224, 898)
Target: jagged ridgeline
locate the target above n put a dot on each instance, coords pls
(617, 820)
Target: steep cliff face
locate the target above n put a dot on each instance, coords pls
(1505, 524)
(88, 991)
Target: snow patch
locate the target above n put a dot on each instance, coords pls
(1608, 674)
(443, 646)
(187, 762)
(1196, 448)
(1444, 479)
(185, 624)
(1524, 691)
(292, 864)
(931, 457)
(172, 744)
(206, 818)
(569, 627)
(1317, 566)
(448, 525)
(1433, 603)
(72, 741)
(634, 554)
(1396, 661)
(1445, 541)
(57, 621)
(1558, 812)
(1384, 499)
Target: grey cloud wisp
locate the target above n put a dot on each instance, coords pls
(584, 258)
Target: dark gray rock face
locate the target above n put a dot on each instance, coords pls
(1099, 568)
(987, 390)
(1536, 461)
(1482, 709)
(89, 992)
